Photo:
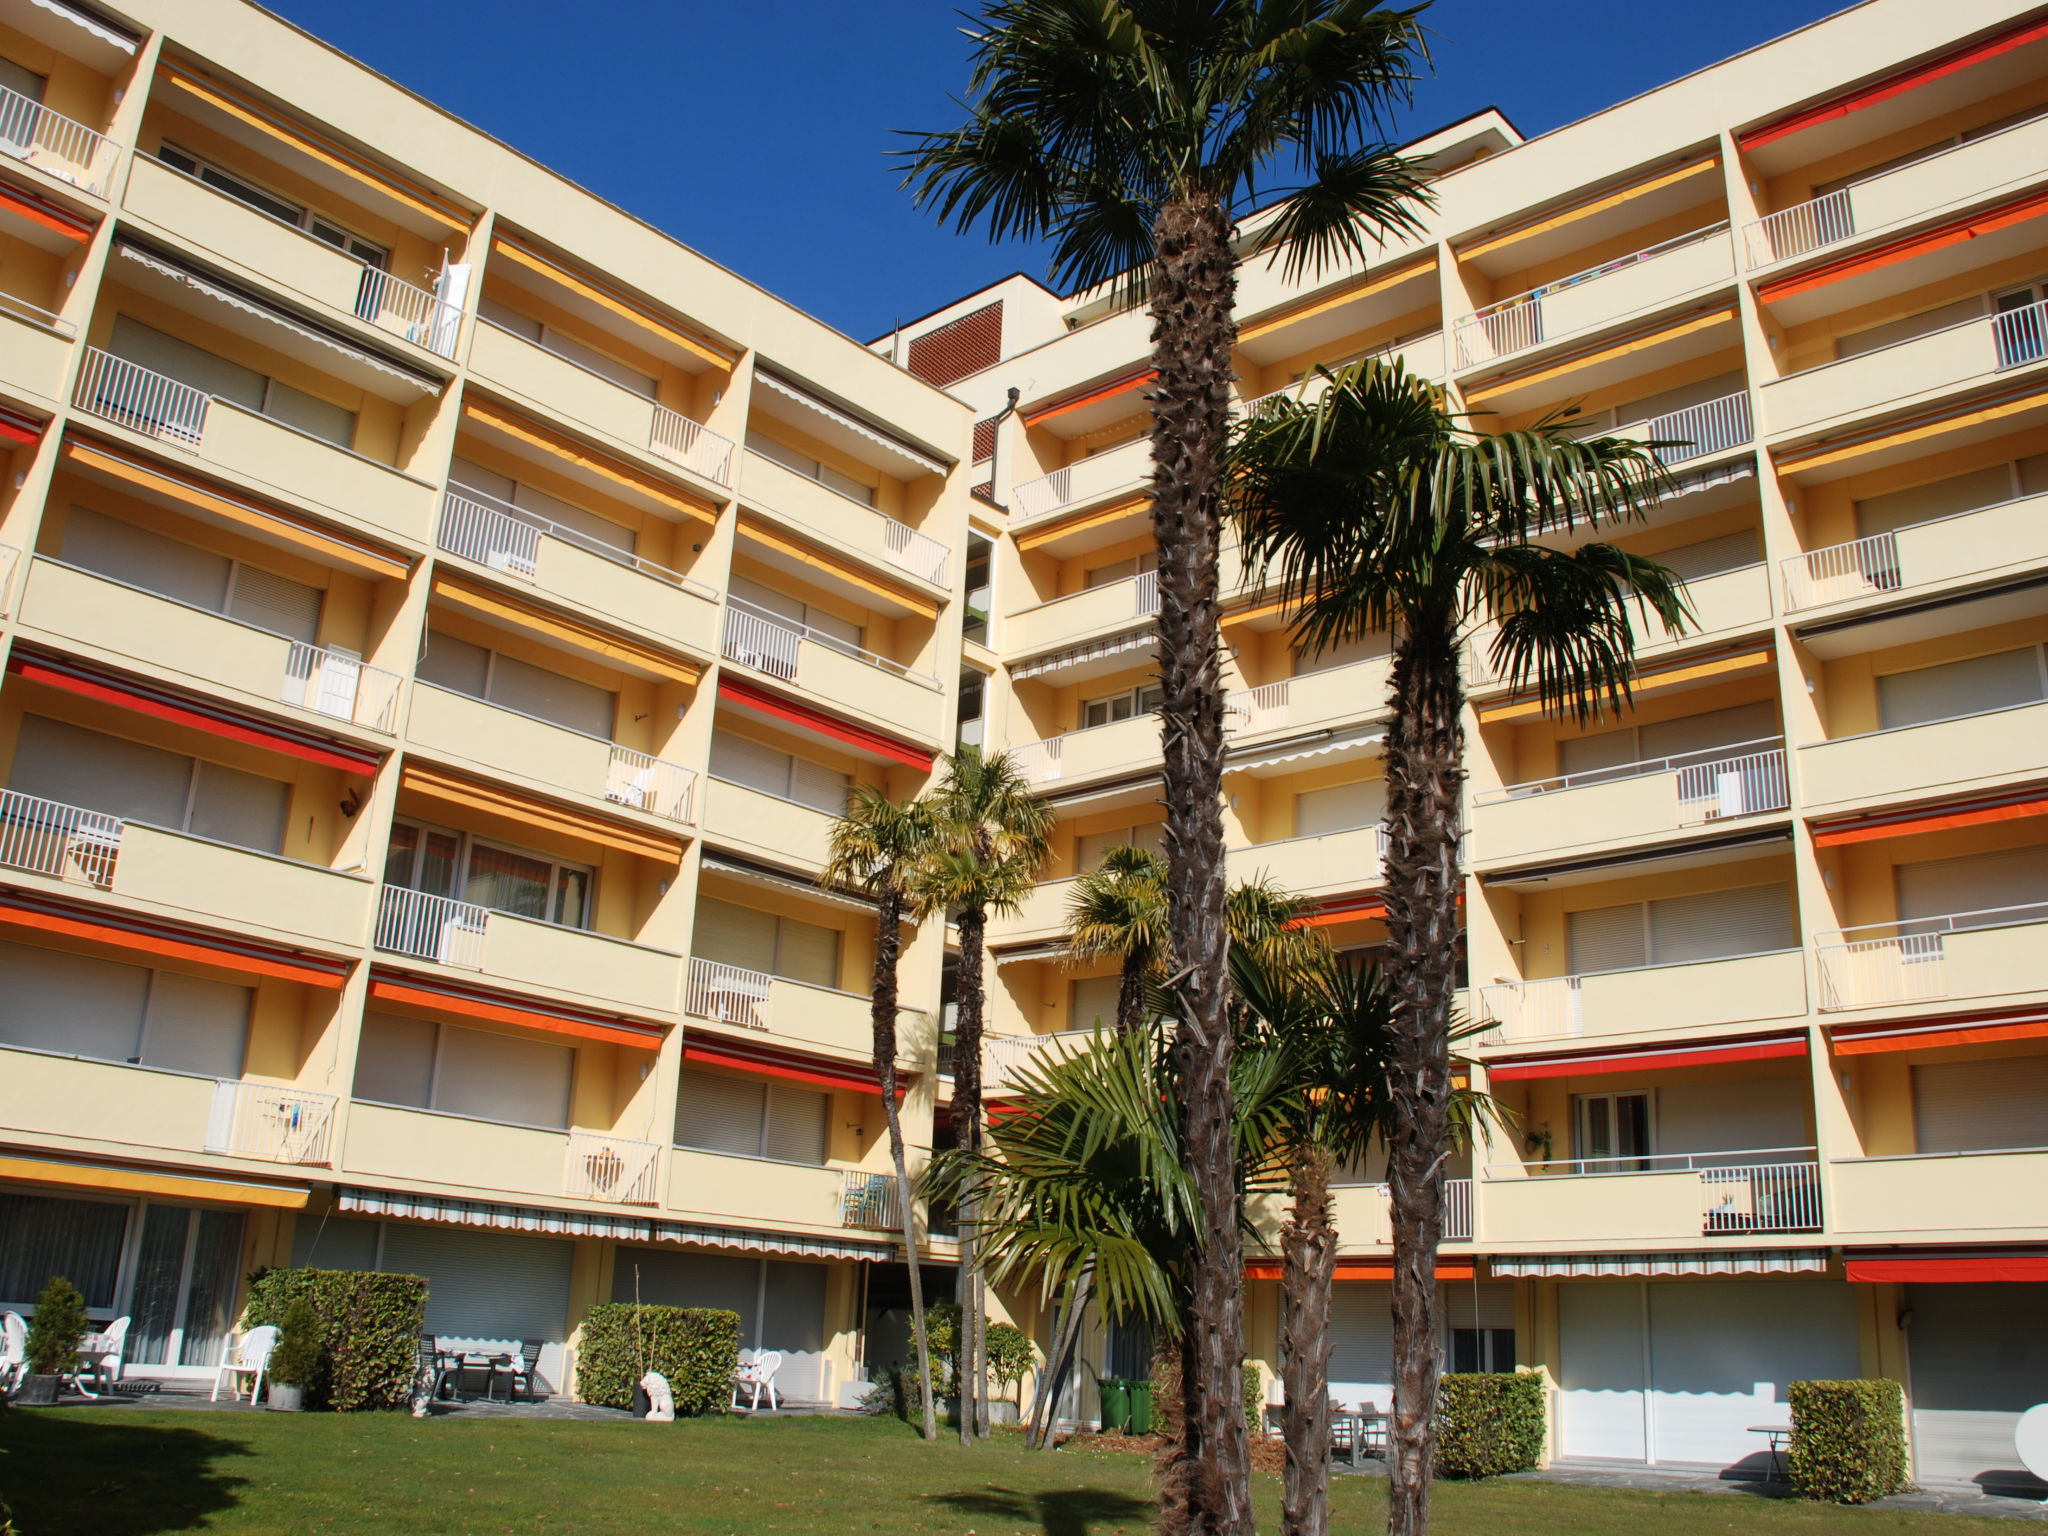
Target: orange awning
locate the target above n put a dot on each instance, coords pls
(1603, 352)
(1094, 394)
(571, 632)
(119, 930)
(817, 559)
(1900, 434)
(1930, 818)
(497, 800)
(1895, 251)
(523, 1012)
(124, 1179)
(1365, 1269)
(1932, 1034)
(534, 435)
(1600, 202)
(607, 297)
(1646, 682)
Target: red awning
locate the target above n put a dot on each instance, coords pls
(1895, 84)
(1094, 394)
(17, 428)
(1949, 1269)
(1931, 1034)
(817, 1071)
(1365, 1269)
(1905, 249)
(40, 210)
(119, 930)
(477, 1004)
(793, 713)
(2016, 806)
(214, 719)
(1651, 1059)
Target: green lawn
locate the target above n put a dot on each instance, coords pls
(129, 1472)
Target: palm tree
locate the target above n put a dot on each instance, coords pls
(1384, 512)
(992, 837)
(1118, 911)
(1133, 134)
(875, 845)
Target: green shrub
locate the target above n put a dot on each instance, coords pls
(1488, 1424)
(696, 1348)
(367, 1330)
(1009, 1355)
(296, 1359)
(942, 1340)
(1848, 1440)
(53, 1333)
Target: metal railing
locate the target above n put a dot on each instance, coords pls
(1457, 1212)
(35, 314)
(1741, 785)
(1247, 711)
(429, 927)
(405, 309)
(140, 398)
(1514, 323)
(50, 141)
(870, 1200)
(614, 1168)
(730, 994)
(1712, 426)
(1119, 468)
(1842, 571)
(1760, 1197)
(341, 685)
(918, 553)
(1679, 763)
(693, 445)
(1801, 228)
(10, 557)
(47, 837)
(478, 526)
(1905, 961)
(1036, 761)
(1003, 1054)
(651, 784)
(770, 643)
(2021, 334)
(276, 1124)
(1642, 1162)
(1529, 1010)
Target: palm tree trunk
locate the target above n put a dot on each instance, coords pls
(967, 1030)
(1424, 755)
(1130, 995)
(888, 950)
(1308, 1261)
(1059, 1364)
(1207, 1488)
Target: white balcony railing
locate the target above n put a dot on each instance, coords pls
(1761, 1197)
(2021, 335)
(614, 1168)
(1842, 571)
(50, 141)
(870, 1200)
(730, 994)
(341, 685)
(1247, 711)
(429, 927)
(10, 557)
(1529, 1010)
(1712, 426)
(405, 309)
(140, 398)
(1739, 779)
(1516, 323)
(651, 784)
(1457, 1213)
(1038, 761)
(1906, 961)
(691, 444)
(68, 842)
(1122, 468)
(267, 1121)
(774, 645)
(918, 553)
(479, 527)
(1801, 228)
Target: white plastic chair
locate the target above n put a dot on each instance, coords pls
(757, 1376)
(104, 1354)
(249, 1357)
(13, 1350)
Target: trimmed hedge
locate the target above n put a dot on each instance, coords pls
(1489, 1423)
(368, 1327)
(696, 1348)
(1848, 1440)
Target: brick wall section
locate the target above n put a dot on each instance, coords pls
(985, 440)
(959, 347)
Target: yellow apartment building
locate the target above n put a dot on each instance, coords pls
(441, 615)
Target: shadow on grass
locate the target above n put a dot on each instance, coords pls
(1059, 1511)
(65, 1476)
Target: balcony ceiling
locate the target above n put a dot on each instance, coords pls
(1350, 308)
(1907, 621)
(1693, 853)
(602, 488)
(1903, 277)
(1637, 350)
(1903, 441)
(1552, 237)
(88, 39)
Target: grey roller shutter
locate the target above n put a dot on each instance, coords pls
(806, 952)
(2001, 680)
(793, 1315)
(507, 319)
(1907, 327)
(599, 530)
(1940, 498)
(454, 664)
(1490, 1304)
(276, 603)
(1713, 925)
(1093, 1001)
(150, 348)
(503, 1078)
(1361, 1342)
(546, 695)
(796, 1125)
(815, 785)
(1663, 403)
(144, 558)
(734, 935)
(1710, 557)
(1705, 732)
(1340, 807)
(110, 774)
(467, 474)
(1606, 938)
(740, 760)
(725, 1282)
(486, 1288)
(231, 806)
(75, 1005)
(310, 414)
(766, 599)
(335, 1242)
(1975, 883)
(196, 1025)
(1343, 653)
(395, 1060)
(1972, 1106)
(1978, 1354)
(1591, 755)
(720, 1114)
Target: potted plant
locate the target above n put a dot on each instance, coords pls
(294, 1358)
(1009, 1358)
(53, 1335)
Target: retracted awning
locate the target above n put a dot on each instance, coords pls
(564, 821)
(715, 1050)
(1872, 826)
(1909, 247)
(1908, 434)
(565, 629)
(1950, 1268)
(120, 930)
(1028, 952)
(742, 1240)
(406, 1206)
(526, 1013)
(1648, 1059)
(44, 214)
(905, 456)
(775, 880)
(1329, 744)
(126, 1179)
(1622, 1266)
(868, 742)
(581, 458)
(823, 562)
(1095, 650)
(699, 348)
(1381, 1270)
(17, 428)
(1933, 1034)
(96, 27)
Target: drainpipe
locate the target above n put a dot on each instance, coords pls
(999, 453)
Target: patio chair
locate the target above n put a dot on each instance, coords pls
(13, 1350)
(756, 1376)
(518, 1370)
(250, 1356)
(104, 1354)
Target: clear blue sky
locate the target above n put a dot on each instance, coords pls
(755, 130)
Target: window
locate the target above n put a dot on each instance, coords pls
(1340, 807)
(828, 628)
(1611, 1132)
(1482, 1349)
(566, 347)
(1680, 930)
(975, 626)
(185, 573)
(454, 864)
(150, 348)
(1092, 1002)
(760, 941)
(422, 1064)
(59, 761)
(1122, 570)
(78, 1239)
(466, 475)
(1127, 704)
(1976, 686)
(368, 252)
(970, 727)
(1954, 494)
(464, 667)
(751, 1117)
(756, 765)
(1589, 758)
(81, 1005)
(1091, 846)
(811, 469)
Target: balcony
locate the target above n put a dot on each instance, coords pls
(1602, 295)
(97, 615)
(1082, 615)
(526, 952)
(871, 1201)
(572, 392)
(756, 1190)
(1003, 1055)
(1364, 1218)
(1120, 471)
(844, 675)
(1992, 1194)
(510, 745)
(392, 1141)
(262, 243)
(271, 1123)
(735, 813)
(841, 522)
(1670, 1197)
(1909, 760)
(2009, 533)
(175, 872)
(840, 1022)
(38, 347)
(1931, 959)
(1953, 178)
(355, 491)
(1922, 368)
(1702, 994)
(1698, 431)
(1335, 861)
(54, 144)
(1633, 802)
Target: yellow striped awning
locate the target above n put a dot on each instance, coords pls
(1037, 538)
(1308, 309)
(1711, 669)
(1600, 202)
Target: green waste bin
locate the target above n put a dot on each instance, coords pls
(1141, 1407)
(1116, 1404)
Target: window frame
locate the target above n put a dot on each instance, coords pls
(466, 842)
